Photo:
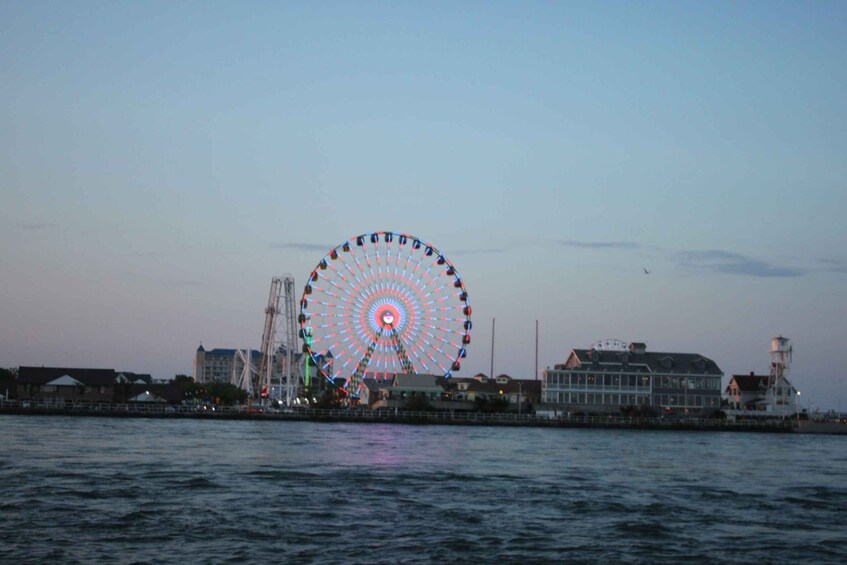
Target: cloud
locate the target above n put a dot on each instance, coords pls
(36, 225)
(601, 244)
(303, 246)
(727, 262)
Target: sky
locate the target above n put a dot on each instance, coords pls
(160, 162)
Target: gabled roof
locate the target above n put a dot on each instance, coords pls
(64, 380)
(648, 361)
(373, 384)
(487, 387)
(750, 383)
(515, 386)
(416, 381)
(169, 392)
(134, 377)
(43, 375)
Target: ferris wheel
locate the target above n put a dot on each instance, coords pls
(384, 303)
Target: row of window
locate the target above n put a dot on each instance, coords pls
(615, 399)
(597, 399)
(623, 382)
(689, 400)
(691, 383)
(582, 380)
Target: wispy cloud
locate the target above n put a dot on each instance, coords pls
(303, 246)
(36, 225)
(600, 244)
(730, 263)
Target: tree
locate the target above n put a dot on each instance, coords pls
(7, 382)
(189, 388)
(223, 393)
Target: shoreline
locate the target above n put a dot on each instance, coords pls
(405, 418)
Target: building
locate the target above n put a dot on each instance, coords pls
(63, 384)
(765, 396)
(221, 365)
(480, 389)
(227, 366)
(598, 381)
(414, 389)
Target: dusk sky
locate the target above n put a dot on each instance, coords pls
(161, 161)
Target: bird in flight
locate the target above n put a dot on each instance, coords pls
(646, 272)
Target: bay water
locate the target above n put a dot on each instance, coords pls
(124, 490)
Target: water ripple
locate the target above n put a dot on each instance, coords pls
(234, 492)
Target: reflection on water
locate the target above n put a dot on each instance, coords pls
(155, 491)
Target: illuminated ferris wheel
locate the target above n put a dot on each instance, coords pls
(384, 303)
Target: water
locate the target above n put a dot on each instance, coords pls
(83, 490)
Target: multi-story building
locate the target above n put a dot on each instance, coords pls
(220, 365)
(603, 381)
(227, 366)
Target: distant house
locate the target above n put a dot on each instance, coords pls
(374, 391)
(503, 387)
(752, 392)
(66, 384)
(421, 387)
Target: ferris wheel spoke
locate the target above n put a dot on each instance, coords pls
(426, 352)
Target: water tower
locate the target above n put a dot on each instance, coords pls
(780, 393)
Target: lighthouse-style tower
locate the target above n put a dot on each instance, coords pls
(780, 394)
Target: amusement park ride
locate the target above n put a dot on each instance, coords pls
(379, 304)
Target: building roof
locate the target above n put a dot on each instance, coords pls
(135, 377)
(648, 361)
(220, 352)
(416, 381)
(169, 392)
(43, 375)
(487, 387)
(751, 382)
(529, 387)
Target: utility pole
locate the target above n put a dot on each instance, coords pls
(536, 350)
(493, 320)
